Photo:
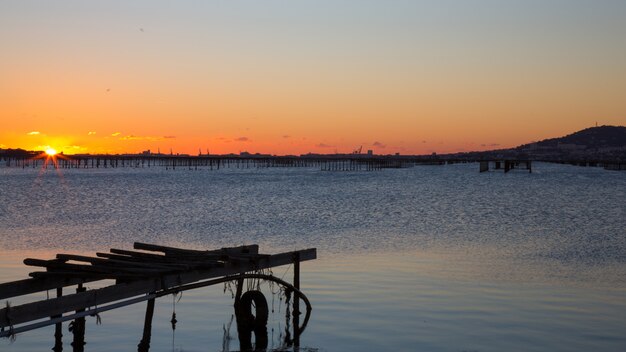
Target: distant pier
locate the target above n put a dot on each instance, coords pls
(217, 162)
(330, 162)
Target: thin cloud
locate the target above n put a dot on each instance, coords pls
(286, 136)
(490, 145)
(243, 139)
(115, 134)
(379, 145)
(323, 145)
(33, 133)
(132, 137)
(74, 148)
(91, 133)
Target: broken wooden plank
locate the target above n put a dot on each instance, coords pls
(193, 261)
(55, 265)
(169, 257)
(28, 286)
(85, 275)
(124, 258)
(116, 262)
(249, 249)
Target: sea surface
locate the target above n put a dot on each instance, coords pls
(429, 258)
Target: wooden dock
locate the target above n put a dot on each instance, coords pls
(143, 274)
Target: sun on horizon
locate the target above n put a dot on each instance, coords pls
(51, 151)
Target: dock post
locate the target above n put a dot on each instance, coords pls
(58, 328)
(78, 327)
(144, 344)
(296, 301)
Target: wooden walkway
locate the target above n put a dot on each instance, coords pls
(143, 274)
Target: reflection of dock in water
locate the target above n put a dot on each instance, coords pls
(144, 274)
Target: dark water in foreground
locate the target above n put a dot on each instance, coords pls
(437, 258)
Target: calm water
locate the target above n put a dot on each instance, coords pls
(432, 258)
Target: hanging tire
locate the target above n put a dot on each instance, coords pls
(245, 309)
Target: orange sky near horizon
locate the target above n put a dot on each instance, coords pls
(321, 77)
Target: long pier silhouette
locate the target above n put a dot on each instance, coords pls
(216, 162)
(324, 162)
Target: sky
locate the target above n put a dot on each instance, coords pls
(292, 77)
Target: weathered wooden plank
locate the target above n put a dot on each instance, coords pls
(28, 286)
(116, 262)
(171, 256)
(55, 265)
(195, 261)
(249, 249)
(85, 275)
(42, 309)
(124, 258)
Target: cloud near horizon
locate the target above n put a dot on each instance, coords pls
(91, 133)
(379, 145)
(243, 139)
(323, 145)
(145, 138)
(33, 133)
(115, 134)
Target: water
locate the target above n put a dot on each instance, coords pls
(432, 258)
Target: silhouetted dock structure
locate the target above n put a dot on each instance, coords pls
(506, 165)
(144, 274)
(348, 162)
(323, 162)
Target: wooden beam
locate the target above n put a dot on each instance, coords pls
(87, 277)
(124, 263)
(193, 261)
(52, 265)
(28, 286)
(250, 249)
(176, 257)
(42, 309)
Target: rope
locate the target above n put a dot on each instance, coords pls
(96, 314)
(173, 321)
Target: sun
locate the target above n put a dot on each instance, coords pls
(51, 151)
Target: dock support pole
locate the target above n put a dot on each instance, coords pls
(238, 294)
(78, 327)
(296, 301)
(58, 328)
(144, 344)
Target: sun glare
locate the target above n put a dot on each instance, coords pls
(51, 151)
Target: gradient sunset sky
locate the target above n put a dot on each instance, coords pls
(291, 77)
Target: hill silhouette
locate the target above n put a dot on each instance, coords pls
(602, 143)
(594, 138)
